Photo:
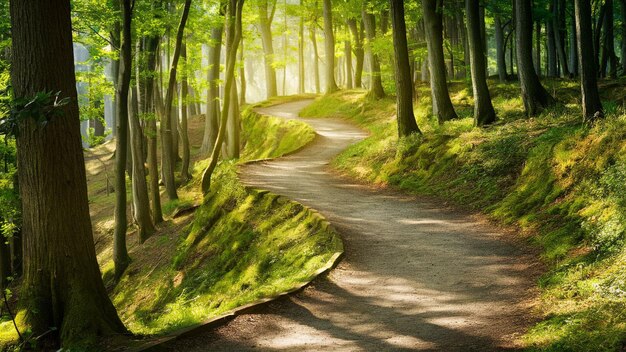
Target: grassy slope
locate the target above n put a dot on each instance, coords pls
(240, 244)
(560, 182)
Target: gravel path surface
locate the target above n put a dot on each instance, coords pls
(416, 275)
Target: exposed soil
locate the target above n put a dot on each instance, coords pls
(417, 275)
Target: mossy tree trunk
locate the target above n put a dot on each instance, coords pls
(592, 106)
(484, 113)
(369, 22)
(62, 286)
(442, 105)
(404, 81)
(534, 95)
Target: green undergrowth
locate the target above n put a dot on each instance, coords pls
(241, 245)
(560, 182)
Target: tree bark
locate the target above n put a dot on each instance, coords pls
(404, 82)
(558, 19)
(62, 286)
(151, 131)
(442, 105)
(348, 58)
(573, 47)
(500, 50)
(537, 60)
(592, 106)
(329, 47)
(265, 29)
(184, 132)
(551, 67)
(167, 132)
(211, 124)
(534, 95)
(242, 76)
(120, 253)
(484, 113)
(359, 52)
(376, 85)
(316, 59)
(609, 59)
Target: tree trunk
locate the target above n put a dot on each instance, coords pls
(265, 29)
(120, 253)
(483, 109)
(558, 19)
(316, 59)
(233, 129)
(359, 53)
(242, 76)
(348, 57)
(573, 47)
(234, 20)
(184, 132)
(592, 107)
(329, 47)
(141, 204)
(211, 123)
(537, 60)
(500, 50)
(535, 97)
(551, 67)
(167, 132)
(301, 71)
(151, 131)
(442, 105)
(62, 286)
(598, 34)
(376, 84)
(404, 82)
(609, 59)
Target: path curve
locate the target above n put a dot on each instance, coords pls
(416, 276)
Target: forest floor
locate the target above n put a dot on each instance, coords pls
(417, 273)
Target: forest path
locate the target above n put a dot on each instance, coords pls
(416, 275)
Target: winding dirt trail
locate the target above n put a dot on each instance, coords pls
(416, 276)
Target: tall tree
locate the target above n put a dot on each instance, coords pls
(483, 109)
(120, 253)
(500, 49)
(183, 102)
(369, 22)
(404, 81)
(316, 56)
(329, 47)
(609, 59)
(301, 54)
(534, 95)
(211, 124)
(266, 17)
(167, 130)
(433, 24)
(359, 53)
(560, 33)
(592, 106)
(62, 286)
(348, 58)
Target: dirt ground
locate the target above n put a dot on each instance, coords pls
(417, 275)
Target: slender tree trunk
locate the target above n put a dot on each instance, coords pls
(537, 60)
(484, 113)
(211, 124)
(329, 47)
(316, 59)
(120, 253)
(242, 76)
(301, 71)
(592, 107)
(359, 53)
(404, 83)
(141, 204)
(376, 85)
(609, 59)
(598, 34)
(62, 286)
(169, 158)
(151, 131)
(534, 95)
(265, 28)
(551, 67)
(233, 129)
(348, 57)
(573, 47)
(558, 19)
(442, 105)
(234, 20)
(500, 52)
(184, 104)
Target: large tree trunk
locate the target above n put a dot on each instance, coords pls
(404, 82)
(169, 158)
(120, 253)
(233, 39)
(592, 107)
(62, 286)
(329, 47)
(483, 109)
(500, 52)
(151, 131)
(211, 124)
(265, 28)
(359, 53)
(316, 58)
(535, 97)
(376, 85)
(560, 32)
(141, 204)
(442, 105)
(183, 102)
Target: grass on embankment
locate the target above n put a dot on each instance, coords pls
(562, 183)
